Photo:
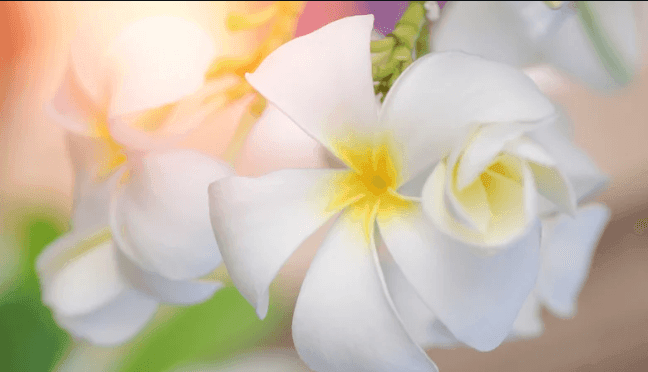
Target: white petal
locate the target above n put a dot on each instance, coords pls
(489, 220)
(569, 47)
(493, 30)
(418, 319)
(114, 323)
(551, 182)
(567, 248)
(435, 102)
(161, 214)
(159, 127)
(259, 222)
(156, 61)
(276, 142)
(92, 189)
(72, 108)
(477, 297)
(585, 177)
(481, 150)
(344, 319)
(323, 80)
(81, 284)
(528, 323)
(166, 290)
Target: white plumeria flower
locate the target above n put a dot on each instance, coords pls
(144, 89)
(344, 318)
(157, 214)
(81, 281)
(603, 52)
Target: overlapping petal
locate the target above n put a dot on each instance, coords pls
(83, 285)
(276, 142)
(476, 296)
(567, 249)
(165, 290)
(421, 324)
(115, 323)
(323, 81)
(259, 222)
(344, 319)
(439, 98)
(72, 107)
(583, 175)
(76, 284)
(160, 215)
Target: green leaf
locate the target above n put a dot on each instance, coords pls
(214, 330)
(30, 340)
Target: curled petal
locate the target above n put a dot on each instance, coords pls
(583, 175)
(160, 215)
(79, 273)
(551, 182)
(434, 104)
(259, 222)
(344, 319)
(568, 245)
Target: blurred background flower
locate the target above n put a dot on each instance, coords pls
(610, 331)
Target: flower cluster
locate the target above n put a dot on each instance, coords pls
(459, 209)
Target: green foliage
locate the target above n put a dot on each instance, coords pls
(30, 340)
(211, 331)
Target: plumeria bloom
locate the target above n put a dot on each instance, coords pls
(82, 283)
(600, 46)
(154, 233)
(447, 173)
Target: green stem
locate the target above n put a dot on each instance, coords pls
(394, 53)
(609, 56)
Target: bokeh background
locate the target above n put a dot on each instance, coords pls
(609, 333)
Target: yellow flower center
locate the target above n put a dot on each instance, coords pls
(368, 189)
(494, 201)
(111, 155)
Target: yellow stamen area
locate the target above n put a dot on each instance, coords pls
(282, 17)
(112, 156)
(151, 120)
(368, 189)
(494, 201)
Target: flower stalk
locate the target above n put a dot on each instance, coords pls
(604, 48)
(393, 54)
